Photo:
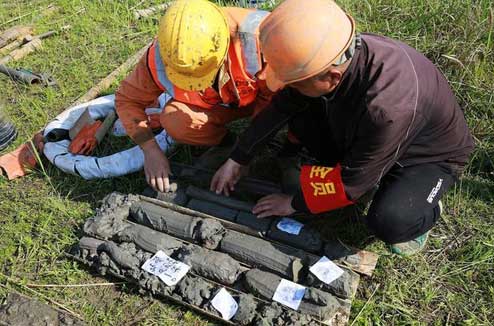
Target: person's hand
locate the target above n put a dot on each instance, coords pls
(274, 205)
(156, 167)
(226, 177)
(39, 142)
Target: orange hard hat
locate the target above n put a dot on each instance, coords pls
(300, 39)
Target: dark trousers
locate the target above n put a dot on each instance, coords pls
(405, 205)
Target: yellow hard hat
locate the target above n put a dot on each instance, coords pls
(193, 40)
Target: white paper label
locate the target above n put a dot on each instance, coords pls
(289, 225)
(225, 304)
(326, 270)
(167, 269)
(289, 294)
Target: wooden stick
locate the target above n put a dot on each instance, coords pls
(26, 49)
(45, 35)
(365, 305)
(31, 285)
(108, 80)
(23, 39)
(59, 305)
(24, 15)
(17, 18)
(142, 13)
(105, 126)
(14, 33)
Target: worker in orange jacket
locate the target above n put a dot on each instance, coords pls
(208, 60)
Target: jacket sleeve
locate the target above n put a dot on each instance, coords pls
(379, 141)
(137, 92)
(381, 138)
(273, 116)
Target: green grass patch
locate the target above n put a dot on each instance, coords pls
(451, 283)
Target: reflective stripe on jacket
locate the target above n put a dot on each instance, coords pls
(239, 85)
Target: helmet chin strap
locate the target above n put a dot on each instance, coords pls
(348, 54)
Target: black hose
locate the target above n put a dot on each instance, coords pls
(8, 133)
(57, 134)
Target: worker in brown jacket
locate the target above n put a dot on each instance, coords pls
(208, 60)
(373, 111)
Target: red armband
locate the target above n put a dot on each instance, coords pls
(323, 188)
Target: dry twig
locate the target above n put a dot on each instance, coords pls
(32, 285)
(365, 305)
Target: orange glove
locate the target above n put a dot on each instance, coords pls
(19, 162)
(85, 142)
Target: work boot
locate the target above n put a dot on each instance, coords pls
(411, 247)
(414, 246)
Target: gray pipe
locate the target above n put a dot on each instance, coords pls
(22, 75)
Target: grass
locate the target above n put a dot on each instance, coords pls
(451, 283)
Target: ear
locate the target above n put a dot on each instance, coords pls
(332, 77)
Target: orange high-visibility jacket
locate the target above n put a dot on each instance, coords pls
(239, 85)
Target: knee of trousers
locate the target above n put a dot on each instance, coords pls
(187, 124)
(173, 120)
(389, 224)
